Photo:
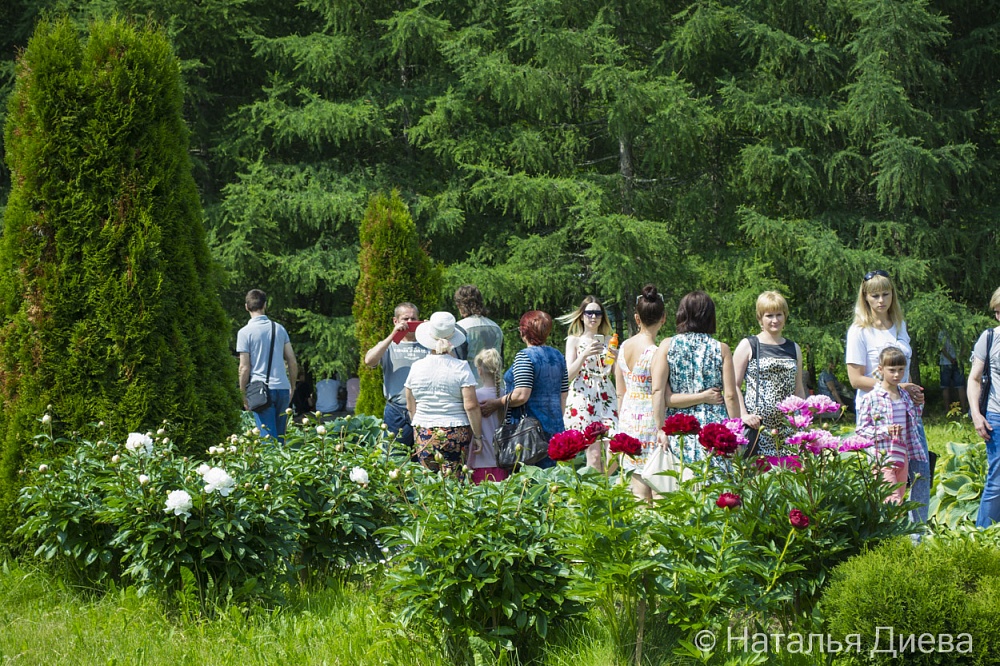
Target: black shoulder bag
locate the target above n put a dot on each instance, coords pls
(527, 432)
(752, 448)
(258, 395)
(986, 382)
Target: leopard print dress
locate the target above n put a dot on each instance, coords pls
(769, 380)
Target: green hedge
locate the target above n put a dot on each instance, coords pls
(944, 586)
(108, 293)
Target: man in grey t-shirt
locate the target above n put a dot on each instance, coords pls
(396, 360)
(254, 343)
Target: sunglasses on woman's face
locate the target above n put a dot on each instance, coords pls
(870, 274)
(592, 313)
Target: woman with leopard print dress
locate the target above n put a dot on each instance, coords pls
(772, 367)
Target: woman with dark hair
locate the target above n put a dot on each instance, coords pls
(693, 373)
(537, 378)
(878, 323)
(634, 384)
(591, 391)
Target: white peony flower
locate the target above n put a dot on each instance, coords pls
(115, 458)
(180, 503)
(43, 468)
(359, 476)
(202, 469)
(217, 479)
(139, 443)
(232, 449)
(100, 424)
(393, 474)
(47, 419)
(320, 430)
(143, 479)
(161, 432)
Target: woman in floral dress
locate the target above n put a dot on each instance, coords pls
(591, 393)
(634, 384)
(693, 374)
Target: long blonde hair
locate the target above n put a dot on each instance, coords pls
(575, 318)
(863, 315)
(489, 361)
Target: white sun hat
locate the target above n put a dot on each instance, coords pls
(440, 326)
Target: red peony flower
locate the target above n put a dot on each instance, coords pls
(681, 424)
(595, 431)
(565, 445)
(627, 444)
(717, 438)
(799, 520)
(728, 501)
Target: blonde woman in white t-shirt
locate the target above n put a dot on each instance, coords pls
(878, 323)
(441, 399)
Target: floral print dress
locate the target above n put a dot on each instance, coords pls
(592, 394)
(695, 364)
(637, 407)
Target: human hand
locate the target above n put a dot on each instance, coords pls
(595, 347)
(487, 407)
(983, 428)
(712, 396)
(916, 392)
(751, 420)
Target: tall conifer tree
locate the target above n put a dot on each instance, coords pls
(108, 292)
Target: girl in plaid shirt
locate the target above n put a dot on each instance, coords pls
(890, 418)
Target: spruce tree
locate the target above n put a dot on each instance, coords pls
(394, 269)
(108, 293)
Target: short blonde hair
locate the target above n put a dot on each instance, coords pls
(995, 300)
(771, 301)
(863, 315)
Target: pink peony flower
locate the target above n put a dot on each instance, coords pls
(791, 405)
(798, 519)
(800, 420)
(784, 462)
(728, 501)
(856, 443)
(822, 404)
(736, 427)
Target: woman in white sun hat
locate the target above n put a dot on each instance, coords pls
(441, 399)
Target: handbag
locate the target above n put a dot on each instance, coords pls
(257, 393)
(752, 447)
(662, 459)
(987, 380)
(527, 432)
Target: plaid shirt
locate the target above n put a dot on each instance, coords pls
(875, 416)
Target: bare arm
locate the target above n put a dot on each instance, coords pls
(619, 385)
(800, 384)
(856, 375)
(293, 365)
(741, 363)
(518, 397)
(660, 372)
(244, 375)
(471, 404)
(562, 400)
(374, 355)
(729, 389)
(411, 404)
(974, 389)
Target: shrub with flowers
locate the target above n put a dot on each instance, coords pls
(241, 523)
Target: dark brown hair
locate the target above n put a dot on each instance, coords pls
(256, 300)
(469, 300)
(649, 306)
(696, 313)
(535, 327)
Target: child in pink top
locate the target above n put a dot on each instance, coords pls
(889, 417)
(483, 462)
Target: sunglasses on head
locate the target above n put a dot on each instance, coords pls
(870, 274)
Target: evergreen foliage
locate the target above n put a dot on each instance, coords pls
(108, 291)
(394, 269)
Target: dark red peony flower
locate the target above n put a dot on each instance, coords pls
(565, 445)
(728, 501)
(681, 424)
(762, 464)
(799, 520)
(595, 431)
(717, 438)
(627, 444)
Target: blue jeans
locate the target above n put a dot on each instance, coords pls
(272, 421)
(397, 421)
(920, 488)
(989, 505)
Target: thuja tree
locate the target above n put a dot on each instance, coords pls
(108, 294)
(394, 269)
